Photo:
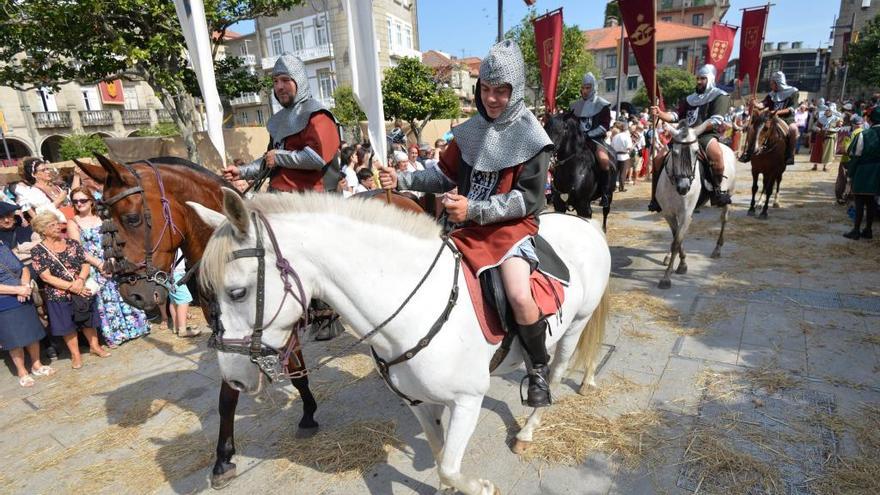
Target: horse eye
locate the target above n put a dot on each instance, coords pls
(132, 220)
(237, 294)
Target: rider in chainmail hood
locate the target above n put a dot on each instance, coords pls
(302, 153)
(594, 114)
(304, 136)
(781, 102)
(498, 160)
(706, 105)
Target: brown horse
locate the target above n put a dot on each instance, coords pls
(766, 140)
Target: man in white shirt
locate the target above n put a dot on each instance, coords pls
(622, 145)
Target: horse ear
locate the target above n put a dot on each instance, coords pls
(95, 172)
(112, 168)
(236, 212)
(212, 218)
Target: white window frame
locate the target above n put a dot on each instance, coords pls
(322, 34)
(131, 99)
(277, 42)
(326, 84)
(388, 24)
(298, 32)
(91, 98)
(47, 100)
(610, 60)
(407, 36)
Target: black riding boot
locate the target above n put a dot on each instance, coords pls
(746, 157)
(789, 153)
(607, 185)
(654, 205)
(719, 197)
(533, 339)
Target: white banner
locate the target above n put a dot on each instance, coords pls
(191, 14)
(366, 78)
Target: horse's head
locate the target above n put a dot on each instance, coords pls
(555, 128)
(139, 243)
(256, 303)
(682, 157)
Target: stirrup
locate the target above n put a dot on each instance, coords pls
(537, 385)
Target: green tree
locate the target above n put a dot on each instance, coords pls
(234, 79)
(576, 61)
(50, 43)
(612, 11)
(81, 146)
(347, 111)
(410, 93)
(864, 56)
(162, 129)
(675, 84)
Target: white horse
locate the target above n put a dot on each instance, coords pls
(679, 191)
(364, 258)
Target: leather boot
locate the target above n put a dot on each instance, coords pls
(719, 197)
(533, 339)
(746, 157)
(607, 187)
(853, 234)
(654, 205)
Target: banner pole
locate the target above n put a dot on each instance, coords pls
(619, 66)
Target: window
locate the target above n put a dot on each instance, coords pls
(260, 118)
(681, 55)
(407, 37)
(390, 37)
(610, 84)
(47, 100)
(326, 84)
(277, 44)
(632, 82)
(632, 60)
(697, 20)
(665, 4)
(659, 55)
(321, 38)
(298, 39)
(131, 98)
(398, 34)
(666, 18)
(243, 118)
(90, 98)
(611, 61)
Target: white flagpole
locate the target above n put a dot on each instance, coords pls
(366, 78)
(191, 14)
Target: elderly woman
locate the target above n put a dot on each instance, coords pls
(19, 326)
(61, 264)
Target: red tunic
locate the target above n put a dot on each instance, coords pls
(320, 135)
(483, 246)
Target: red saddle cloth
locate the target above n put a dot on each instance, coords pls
(548, 292)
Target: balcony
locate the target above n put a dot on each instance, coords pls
(309, 54)
(94, 118)
(400, 52)
(246, 99)
(132, 117)
(248, 60)
(164, 115)
(49, 120)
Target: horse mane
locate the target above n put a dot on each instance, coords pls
(183, 162)
(372, 212)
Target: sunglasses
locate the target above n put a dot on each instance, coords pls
(80, 201)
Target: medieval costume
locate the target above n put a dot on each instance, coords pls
(829, 122)
(594, 115)
(305, 136)
(864, 170)
(501, 166)
(784, 98)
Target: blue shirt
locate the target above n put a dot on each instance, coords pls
(10, 274)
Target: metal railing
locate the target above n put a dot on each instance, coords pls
(92, 118)
(130, 117)
(246, 99)
(306, 55)
(163, 115)
(46, 120)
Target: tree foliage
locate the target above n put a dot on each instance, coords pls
(81, 146)
(576, 60)
(347, 111)
(51, 42)
(675, 84)
(234, 79)
(410, 93)
(864, 56)
(612, 10)
(162, 129)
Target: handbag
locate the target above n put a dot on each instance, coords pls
(82, 306)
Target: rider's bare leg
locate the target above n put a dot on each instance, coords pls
(532, 327)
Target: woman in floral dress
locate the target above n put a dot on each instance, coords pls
(119, 321)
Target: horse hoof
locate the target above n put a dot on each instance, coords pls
(489, 488)
(666, 260)
(220, 481)
(682, 269)
(586, 387)
(664, 284)
(763, 216)
(715, 254)
(520, 446)
(306, 432)
(751, 213)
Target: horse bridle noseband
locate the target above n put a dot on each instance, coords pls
(275, 365)
(126, 270)
(668, 167)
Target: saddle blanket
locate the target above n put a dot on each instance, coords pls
(548, 292)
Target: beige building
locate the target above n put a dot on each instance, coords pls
(37, 120)
(700, 13)
(458, 74)
(316, 32)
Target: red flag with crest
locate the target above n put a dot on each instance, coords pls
(640, 19)
(751, 43)
(720, 46)
(548, 47)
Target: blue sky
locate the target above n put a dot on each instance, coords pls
(468, 27)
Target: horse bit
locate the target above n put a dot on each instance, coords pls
(275, 365)
(124, 269)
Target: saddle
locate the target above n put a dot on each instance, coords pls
(490, 302)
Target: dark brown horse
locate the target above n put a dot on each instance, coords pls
(766, 140)
(146, 203)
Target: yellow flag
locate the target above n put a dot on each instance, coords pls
(855, 37)
(3, 123)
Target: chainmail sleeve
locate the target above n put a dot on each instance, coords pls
(250, 170)
(526, 198)
(430, 180)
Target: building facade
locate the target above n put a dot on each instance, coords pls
(458, 74)
(804, 68)
(37, 120)
(678, 45)
(853, 16)
(700, 13)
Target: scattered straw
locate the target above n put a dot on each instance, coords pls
(630, 331)
(721, 468)
(871, 339)
(856, 475)
(771, 378)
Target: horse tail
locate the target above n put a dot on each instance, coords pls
(587, 349)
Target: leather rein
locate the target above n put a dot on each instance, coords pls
(275, 365)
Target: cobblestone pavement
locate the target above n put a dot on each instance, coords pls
(782, 333)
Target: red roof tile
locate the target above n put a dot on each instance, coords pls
(604, 38)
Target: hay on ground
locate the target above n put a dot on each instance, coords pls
(717, 465)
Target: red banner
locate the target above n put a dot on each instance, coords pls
(751, 43)
(640, 19)
(111, 92)
(720, 46)
(548, 47)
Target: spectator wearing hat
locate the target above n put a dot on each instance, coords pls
(18, 238)
(864, 170)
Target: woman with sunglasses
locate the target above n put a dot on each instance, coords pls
(119, 321)
(43, 194)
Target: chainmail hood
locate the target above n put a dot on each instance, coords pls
(490, 145)
(593, 103)
(784, 89)
(294, 118)
(711, 92)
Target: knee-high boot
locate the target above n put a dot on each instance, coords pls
(533, 338)
(654, 205)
